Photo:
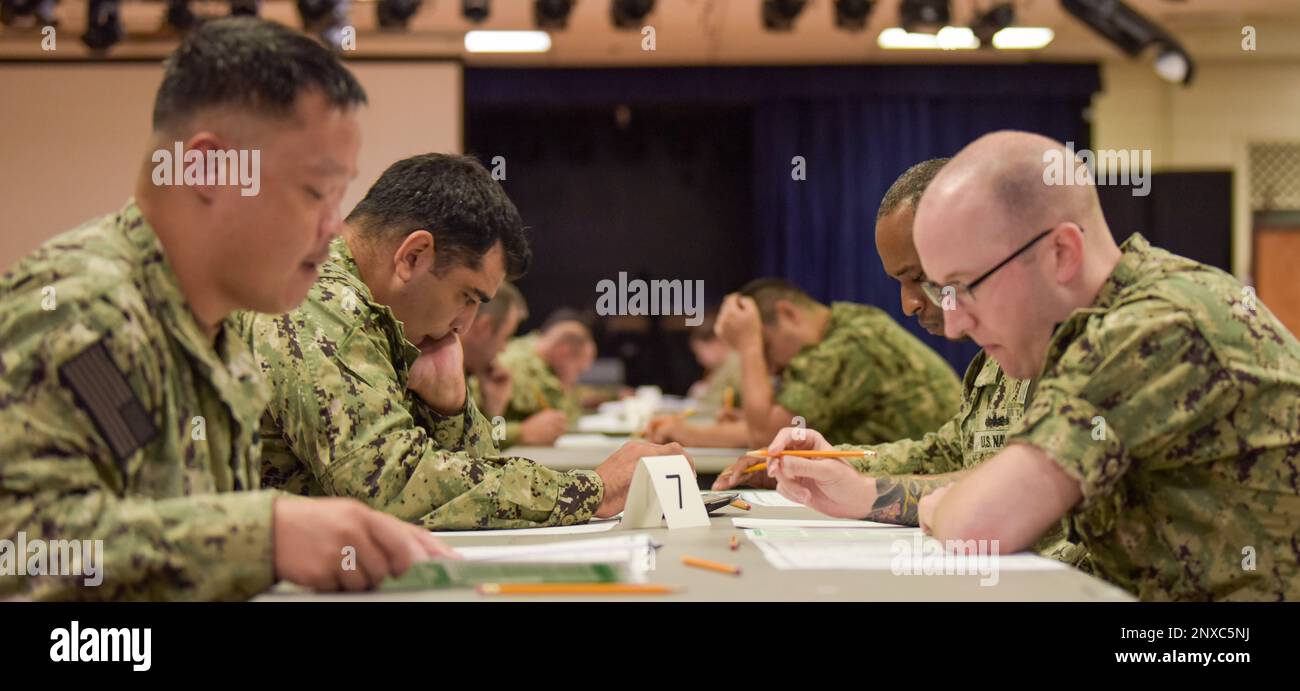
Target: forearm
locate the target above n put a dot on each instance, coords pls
(717, 435)
(467, 430)
(1013, 498)
(755, 391)
(200, 547)
(897, 497)
(452, 491)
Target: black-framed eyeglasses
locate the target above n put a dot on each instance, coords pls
(962, 291)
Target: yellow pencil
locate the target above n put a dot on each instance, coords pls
(711, 565)
(756, 468)
(832, 453)
(729, 398)
(574, 589)
(741, 504)
(541, 400)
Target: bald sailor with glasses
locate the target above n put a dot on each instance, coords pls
(1163, 425)
(903, 471)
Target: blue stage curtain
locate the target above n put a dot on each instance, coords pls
(820, 232)
(857, 126)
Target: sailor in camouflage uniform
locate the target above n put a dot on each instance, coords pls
(128, 411)
(359, 410)
(991, 401)
(544, 366)
(1163, 420)
(849, 370)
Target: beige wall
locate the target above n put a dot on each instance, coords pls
(72, 136)
(1206, 126)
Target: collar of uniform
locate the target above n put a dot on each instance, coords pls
(989, 370)
(350, 274)
(1133, 254)
(1128, 271)
(225, 359)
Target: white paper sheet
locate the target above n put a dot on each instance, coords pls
(813, 523)
(595, 525)
(637, 551)
(905, 552)
(767, 497)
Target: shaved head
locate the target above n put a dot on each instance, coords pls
(991, 200)
(1003, 173)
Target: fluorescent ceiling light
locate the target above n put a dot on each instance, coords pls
(1023, 38)
(507, 41)
(948, 38)
(962, 38)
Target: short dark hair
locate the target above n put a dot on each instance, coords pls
(455, 199)
(908, 188)
(254, 64)
(508, 298)
(766, 291)
(567, 314)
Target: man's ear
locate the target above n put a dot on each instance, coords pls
(787, 311)
(415, 254)
(1068, 249)
(203, 142)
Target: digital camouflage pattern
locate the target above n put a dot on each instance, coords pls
(991, 402)
(1174, 400)
(507, 434)
(341, 421)
(532, 382)
(869, 381)
(167, 483)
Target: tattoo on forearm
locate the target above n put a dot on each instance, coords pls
(897, 498)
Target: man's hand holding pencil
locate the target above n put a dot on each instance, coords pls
(750, 470)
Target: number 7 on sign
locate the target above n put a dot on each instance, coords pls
(678, 478)
(649, 499)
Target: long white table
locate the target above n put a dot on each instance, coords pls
(707, 461)
(759, 581)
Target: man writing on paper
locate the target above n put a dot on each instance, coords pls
(905, 470)
(545, 366)
(846, 369)
(490, 383)
(128, 409)
(1163, 423)
(368, 385)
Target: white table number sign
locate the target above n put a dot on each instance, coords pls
(664, 488)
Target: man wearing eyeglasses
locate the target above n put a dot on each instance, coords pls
(906, 470)
(1164, 424)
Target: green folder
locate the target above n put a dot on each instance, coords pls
(449, 573)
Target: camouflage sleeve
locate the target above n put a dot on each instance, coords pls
(340, 409)
(514, 431)
(821, 381)
(935, 453)
(1120, 385)
(468, 431)
(61, 481)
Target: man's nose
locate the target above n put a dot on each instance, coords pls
(913, 303)
(957, 322)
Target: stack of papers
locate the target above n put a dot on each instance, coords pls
(605, 423)
(636, 551)
(595, 525)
